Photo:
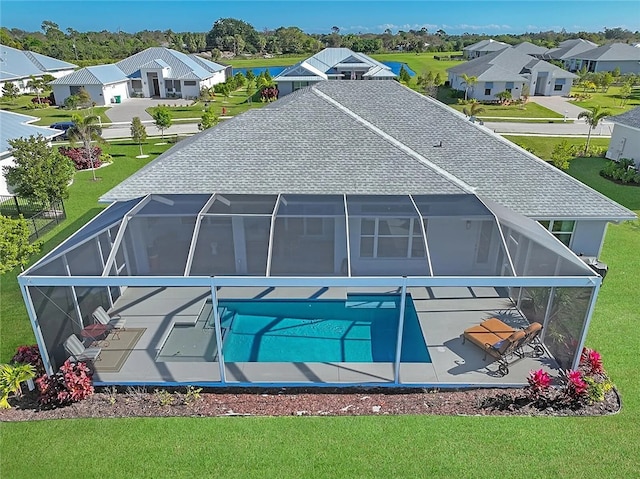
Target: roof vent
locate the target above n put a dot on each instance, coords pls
(439, 145)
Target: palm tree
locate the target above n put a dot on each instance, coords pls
(468, 82)
(37, 85)
(474, 109)
(86, 130)
(592, 117)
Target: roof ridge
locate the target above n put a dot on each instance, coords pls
(395, 142)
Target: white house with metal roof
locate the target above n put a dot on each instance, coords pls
(331, 64)
(483, 47)
(104, 83)
(154, 72)
(607, 58)
(510, 70)
(625, 137)
(313, 201)
(15, 125)
(18, 66)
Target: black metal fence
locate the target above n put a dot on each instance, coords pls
(40, 218)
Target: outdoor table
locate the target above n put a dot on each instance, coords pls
(95, 332)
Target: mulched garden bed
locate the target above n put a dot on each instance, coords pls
(150, 402)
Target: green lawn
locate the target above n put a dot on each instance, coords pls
(278, 61)
(346, 447)
(422, 62)
(609, 100)
(543, 146)
(81, 206)
(51, 114)
(234, 105)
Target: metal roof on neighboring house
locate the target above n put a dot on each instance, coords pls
(17, 64)
(15, 125)
(629, 118)
(157, 63)
(365, 137)
(181, 64)
(301, 72)
(95, 75)
(619, 52)
(507, 65)
(324, 63)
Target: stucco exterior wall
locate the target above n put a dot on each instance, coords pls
(624, 143)
(587, 237)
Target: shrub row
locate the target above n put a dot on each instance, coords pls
(623, 171)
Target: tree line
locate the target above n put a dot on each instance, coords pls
(239, 38)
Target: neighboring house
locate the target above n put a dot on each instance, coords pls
(509, 70)
(607, 58)
(331, 64)
(104, 83)
(529, 48)
(483, 47)
(567, 49)
(337, 190)
(154, 72)
(625, 138)
(15, 125)
(19, 66)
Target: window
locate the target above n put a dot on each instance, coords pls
(391, 238)
(559, 85)
(487, 91)
(563, 230)
(299, 84)
(189, 83)
(487, 88)
(508, 86)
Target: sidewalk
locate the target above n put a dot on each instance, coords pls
(578, 128)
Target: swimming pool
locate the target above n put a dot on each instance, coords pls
(275, 71)
(363, 328)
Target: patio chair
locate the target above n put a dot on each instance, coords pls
(115, 324)
(496, 339)
(532, 339)
(78, 351)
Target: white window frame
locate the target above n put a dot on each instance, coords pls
(415, 233)
(560, 233)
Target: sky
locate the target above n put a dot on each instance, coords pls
(361, 16)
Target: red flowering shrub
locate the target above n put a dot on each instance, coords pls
(591, 362)
(575, 390)
(269, 94)
(41, 101)
(80, 158)
(72, 383)
(29, 355)
(539, 383)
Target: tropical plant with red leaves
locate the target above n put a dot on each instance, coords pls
(29, 355)
(539, 384)
(269, 94)
(591, 362)
(80, 158)
(575, 389)
(72, 383)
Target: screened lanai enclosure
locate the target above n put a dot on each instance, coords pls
(234, 289)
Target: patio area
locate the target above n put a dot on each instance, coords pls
(443, 314)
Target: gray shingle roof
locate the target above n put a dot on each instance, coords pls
(569, 48)
(630, 118)
(619, 52)
(15, 125)
(95, 75)
(529, 48)
(339, 137)
(489, 45)
(506, 65)
(16, 64)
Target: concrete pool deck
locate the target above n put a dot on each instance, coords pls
(443, 314)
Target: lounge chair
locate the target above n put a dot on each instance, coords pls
(496, 339)
(116, 324)
(532, 339)
(78, 351)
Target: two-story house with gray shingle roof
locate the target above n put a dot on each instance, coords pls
(625, 137)
(104, 83)
(510, 70)
(17, 67)
(331, 64)
(15, 125)
(357, 196)
(154, 72)
(483, 47)
(608, 58)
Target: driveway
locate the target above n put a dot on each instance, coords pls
(559, 104)
(131, 107)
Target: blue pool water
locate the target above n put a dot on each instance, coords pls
(361, 329)
(273, 71)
